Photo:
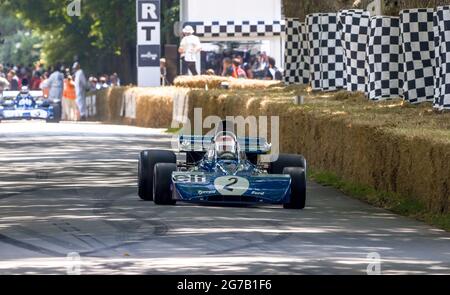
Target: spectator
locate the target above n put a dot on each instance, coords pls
(81, 86)
(44, 85)
(55, 84)
(36, 81)
(4, 84)
(263, 61)
(114, 80)
(227, 67)
(163, 71)
(238, 72)
(248, 70)
(93, 82)
(103, 82)
(69, 105)
(2, 74)
(272, 72)
(14, 83)
(190, 46)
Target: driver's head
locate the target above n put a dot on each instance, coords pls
(226, 147)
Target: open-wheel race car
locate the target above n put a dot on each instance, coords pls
(29, 105)
(222, 169)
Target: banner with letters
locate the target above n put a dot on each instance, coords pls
(148, 17)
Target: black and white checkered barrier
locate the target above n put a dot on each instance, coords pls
(385, 60)
(296, 53)
(417, 33)
(354, 26)
(442, 46)
(214, 29)
(327, 67)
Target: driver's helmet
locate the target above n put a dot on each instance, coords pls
(226, 147)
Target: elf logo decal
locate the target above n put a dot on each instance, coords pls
(190, 178)
(231, 185)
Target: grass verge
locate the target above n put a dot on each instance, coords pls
(391, 201)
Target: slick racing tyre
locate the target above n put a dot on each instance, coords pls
(147, 162)
(57, 113)
(287, 160)
(162, 193)
(298, 188)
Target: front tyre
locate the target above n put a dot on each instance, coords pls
(162, 192)
(147, 162)
(298, 188)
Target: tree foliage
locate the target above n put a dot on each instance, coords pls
(18, 44)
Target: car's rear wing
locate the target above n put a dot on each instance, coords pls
(13, 94)
(198, 143)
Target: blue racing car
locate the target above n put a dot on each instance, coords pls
(28, 105)
(222, 169)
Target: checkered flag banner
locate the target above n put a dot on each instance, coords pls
(296, 53)
(213, 29)
(327, 67)
(354, 26)
(417, 37)
(385, 64)
(442, 49)
(292, 51)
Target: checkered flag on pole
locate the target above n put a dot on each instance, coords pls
(417, 32)
(354, 26)
(385, 65)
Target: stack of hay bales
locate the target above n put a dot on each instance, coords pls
(153, 106)
(216, 82)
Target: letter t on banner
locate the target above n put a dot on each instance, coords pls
(148, 17)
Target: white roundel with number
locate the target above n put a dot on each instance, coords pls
(231, 185)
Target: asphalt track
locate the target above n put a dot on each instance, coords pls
(70, 189)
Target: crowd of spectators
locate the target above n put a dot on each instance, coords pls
(260, 66)
(69, 85)
(13, 77)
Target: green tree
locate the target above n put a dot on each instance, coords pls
(19, 45)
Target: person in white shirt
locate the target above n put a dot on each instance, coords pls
(190, 46)
(4, 84)
(55, 83)
(81, 86)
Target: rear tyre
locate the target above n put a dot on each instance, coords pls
(162, 193)
(57, 114)
(287, 160)
(298, 188)
(147, 162)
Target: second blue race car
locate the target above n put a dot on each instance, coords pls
(222, 169)
(29, 105)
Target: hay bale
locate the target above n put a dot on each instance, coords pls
(215, 82)
(154, 106)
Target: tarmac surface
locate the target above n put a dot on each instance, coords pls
(69, 205)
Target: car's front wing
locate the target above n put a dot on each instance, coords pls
(25, 114)
(203, 187)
